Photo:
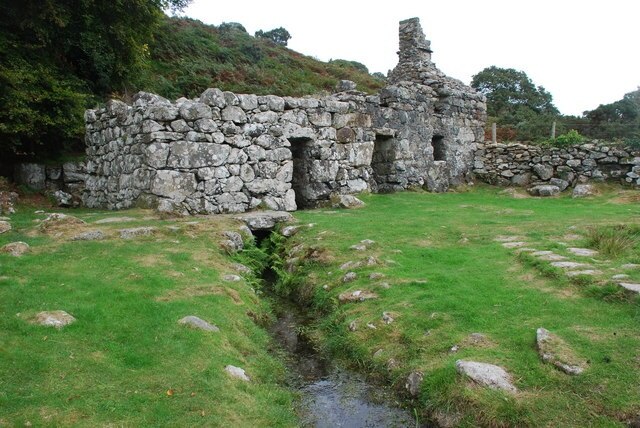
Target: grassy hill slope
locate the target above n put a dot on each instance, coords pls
(188, 56)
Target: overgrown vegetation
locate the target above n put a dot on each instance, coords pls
(614, 241)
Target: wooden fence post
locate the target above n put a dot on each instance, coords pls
(553, 130)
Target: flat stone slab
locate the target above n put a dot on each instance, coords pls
(356, 296)
(90, 235)
(195, 322)
(507, 238)
(114, 220)
(16, 249)
(541, 253)
(57, 319)
(552, 257)
(489, 375)
(54, 220)
(237, 372)
(589, 272)
(347, 202)
(264, 220)
(5, 226)
(583, 252)
(620, 276)
(516, 244)
(136, 231)
(568, 265)
(289, 231)
(555, 351)
(630, 266)
(630, 286)
(231, 278)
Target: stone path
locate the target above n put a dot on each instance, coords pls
(572, 268)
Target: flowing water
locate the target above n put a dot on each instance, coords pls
(332, 396)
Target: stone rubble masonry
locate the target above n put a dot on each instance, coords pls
(524, 165)
(226, 152)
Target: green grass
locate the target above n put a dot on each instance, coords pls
(614, 241)
(115, 365)
(449, 278)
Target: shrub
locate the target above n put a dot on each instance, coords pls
(570, 138)
(613, 241)
(278, 35)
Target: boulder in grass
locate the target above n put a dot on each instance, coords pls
(584, 190)
(198, 323)
(489, 375)
(346, 202)
(556, 352)
(356, 296)
(5, 226)
(57, 319)
(16, 249)
(237, 372)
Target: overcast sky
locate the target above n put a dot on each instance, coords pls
(585, 52)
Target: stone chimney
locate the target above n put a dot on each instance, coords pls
(414, 47)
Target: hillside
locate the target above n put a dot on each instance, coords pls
(188, 56)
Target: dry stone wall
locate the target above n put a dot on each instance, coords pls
(532, 166)
(226, 152)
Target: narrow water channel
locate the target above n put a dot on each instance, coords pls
(331, 395)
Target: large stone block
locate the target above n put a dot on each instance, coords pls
(173, 184)
(187, 154)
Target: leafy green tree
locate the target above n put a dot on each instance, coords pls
(617, 120)
(56, 55)
(278, 35)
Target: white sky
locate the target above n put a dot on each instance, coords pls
(585, 52)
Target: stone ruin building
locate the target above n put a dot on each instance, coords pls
(226, 152)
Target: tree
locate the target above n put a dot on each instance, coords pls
(617, 120)
(512, 96)
(56, 55)
(279, 35)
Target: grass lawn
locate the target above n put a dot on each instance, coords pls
(446, 277)
(126, 361)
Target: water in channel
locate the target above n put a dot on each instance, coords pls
(332, 396)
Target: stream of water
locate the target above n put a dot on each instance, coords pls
(332, 396)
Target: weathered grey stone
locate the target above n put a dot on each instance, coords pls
(356, 296)
(544, 190)
(63, 199)
(345, 85)
(582, 190)
(568, 265)
(264, 220)
(630, 286)
(348, 202)
(173, 184)
(16, 249)
(213, 97)
(31, 175)
(234, 114)
(489, 375)
(57, 319)
(5, 226)
(559, 183)
(231, 278)
(414, 383)
(137, 231)
(236, 240)
(90, 235)
(197, 323)
(556, 352)
(584, 252)
(237, 372)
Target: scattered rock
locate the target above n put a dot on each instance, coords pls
(630, 266)
(358, 247)
(350, 265)
(233, 243)
(55, 220)
(367, 242)
(387, 318)
(231, 278)
(568, 265)
(555, 351)
(57, 319)
(16, 249)
(5, 226)
(195, 322)
(513, 244)
(583, 252)
(136, 231)
(489, 375)
(414, 383)
(349, 276)
(583, 190)
(241, 268)
(63, 199)
(346, 201)
(237, 373)
(356, 296)
(620, 276)
(376, 275)
(90, 235)
(115, 220)
(506, 238)
(588, 272)
(454, 349)
(476, 339)
(353, 325)
(544, 190)
(552, 257)
(289, 231)
(371, 326)
(541, 253)
(630, 286)
(7, 201)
